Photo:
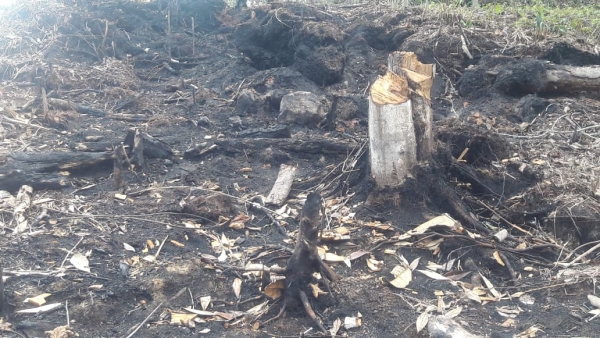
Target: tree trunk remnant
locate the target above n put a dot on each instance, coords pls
(305, 260)
(400, 118)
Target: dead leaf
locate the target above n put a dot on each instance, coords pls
(508, 323)
(37, 300)
(352, 322)
(316, 291)
(128, 247)
(422, 320)
(204, 302)
(374, 265)
(498, 258)
(341, 231)
(403, 277)
(275, 290)
(454, 312)
(61, 332)
(491, 287)
(358, 254)
(433, 275)
(337, 324)
(332, 258)
(80, 262)
(414, 264)
(184, 319)
(594, 300)
(237, 287)
(257, 309)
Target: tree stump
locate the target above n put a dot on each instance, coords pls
(400, 118)
(305, 260)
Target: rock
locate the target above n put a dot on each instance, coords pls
(303, 108)
(204, 121)
(444, 327)
(248, 101)
(274, 97)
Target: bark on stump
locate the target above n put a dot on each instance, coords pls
(400, 118)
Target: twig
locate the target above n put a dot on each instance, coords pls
(67, 310)
(504, 219)
(144, 321)
(160, 247)
(68, 253)
(580, 257)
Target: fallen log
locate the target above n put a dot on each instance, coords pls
(43, 170)
(313, 146)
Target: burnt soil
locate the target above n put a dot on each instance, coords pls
(236, 66)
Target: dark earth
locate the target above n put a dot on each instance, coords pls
(221, 82)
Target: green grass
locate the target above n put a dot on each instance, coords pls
(535, 18)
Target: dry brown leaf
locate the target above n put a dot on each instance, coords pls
(508, 323)
(337, 324)
(183, 319)
(374, 265)
(275, 290)
(332, 258)
(128, 247)
(414, 264)
(237, 287)
(80, 262)
(403, 277)
(257, 309)
(205, 302)
(38, 300)
(341, 231)
(422, 321)
(61, 332)
(316, 290)
(498, 258)
(433, 275)
(491, 287)
(454, 312)
(176, 243)
(358, 254)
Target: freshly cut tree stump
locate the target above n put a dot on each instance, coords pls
(305, 260)
(400, 118)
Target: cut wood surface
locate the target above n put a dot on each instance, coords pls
(400, 118)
